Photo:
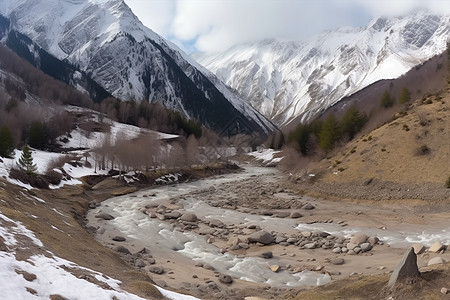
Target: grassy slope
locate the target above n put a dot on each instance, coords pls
(393, 152)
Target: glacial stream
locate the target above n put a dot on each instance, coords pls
(134, 224)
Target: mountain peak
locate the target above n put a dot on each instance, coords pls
(289, 80)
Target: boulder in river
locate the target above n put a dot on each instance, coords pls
(104, 216)
(358, 239)
(262, 237)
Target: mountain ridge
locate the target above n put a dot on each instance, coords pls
(130, 61)
(289, 80)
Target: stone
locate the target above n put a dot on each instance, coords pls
(280, 239)
(436, 247)
(373, 240)
(244, 245)
(358, 239)
(267, 254)
(262, 237)
(444, 291)
(357, 250)
(206, 230)
(139, 263)
(366, 247)
(308, 206)
(337, 250)
(172, 215)
(274, 268)
(225, 279)
(406, 268)
(337, 261)
(323, 234)
(306, 234)
(104, 216)
(292, 240)
(312, 245)
(418, 248)
(295, 215)
(351, 246)
(436, 261)
(283, 214)
(189, 217)
(122, 249)
(344, 249)
(335, 273)
(156, 269)
(216, 223)
(233, 241)
(119, 239)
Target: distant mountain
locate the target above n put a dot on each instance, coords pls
(288, 80)
(104, 41)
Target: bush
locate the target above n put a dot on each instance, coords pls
(146, 289)
(35, 181)
(423, 150)
(53, 177)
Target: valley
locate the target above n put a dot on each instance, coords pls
(275, 169)
(197, 255)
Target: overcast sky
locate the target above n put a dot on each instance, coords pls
(215, 25)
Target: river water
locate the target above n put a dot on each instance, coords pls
(132, 223)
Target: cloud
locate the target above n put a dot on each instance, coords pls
(214, 25)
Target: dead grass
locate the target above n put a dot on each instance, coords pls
(417, 155)
(146, 289)
(375, 287)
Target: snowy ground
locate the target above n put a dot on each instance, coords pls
(40, 276)
(266, 156)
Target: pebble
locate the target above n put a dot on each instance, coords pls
(337, 261)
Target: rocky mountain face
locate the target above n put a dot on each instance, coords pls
(288, 80)
(103, 43)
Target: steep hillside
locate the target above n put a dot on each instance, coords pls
(406, 158)
(287, 80)
(104, 41)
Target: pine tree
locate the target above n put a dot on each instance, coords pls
(6, 142)
(352, 122)
(25, 163)
(405, 96)
(329, 133)
(386, 100)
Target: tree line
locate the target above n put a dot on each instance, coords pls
(325, 134)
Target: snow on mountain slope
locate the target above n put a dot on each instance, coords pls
(105, 40)
(286, 79)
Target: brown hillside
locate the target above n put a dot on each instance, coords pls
(407, 158)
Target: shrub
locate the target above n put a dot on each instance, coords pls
(423, 150)
(146, 289)
(35, 181)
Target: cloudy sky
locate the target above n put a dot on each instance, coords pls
(215, 25)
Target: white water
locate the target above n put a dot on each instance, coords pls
(135, 224)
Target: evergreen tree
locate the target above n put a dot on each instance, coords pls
(25, 163)
(37, 135)
(386, 100)
(405, 96)
(352, 122)
(329, 133)
(6, 142)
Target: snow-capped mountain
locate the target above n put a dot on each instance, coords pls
(286, 79)
(105, 41)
